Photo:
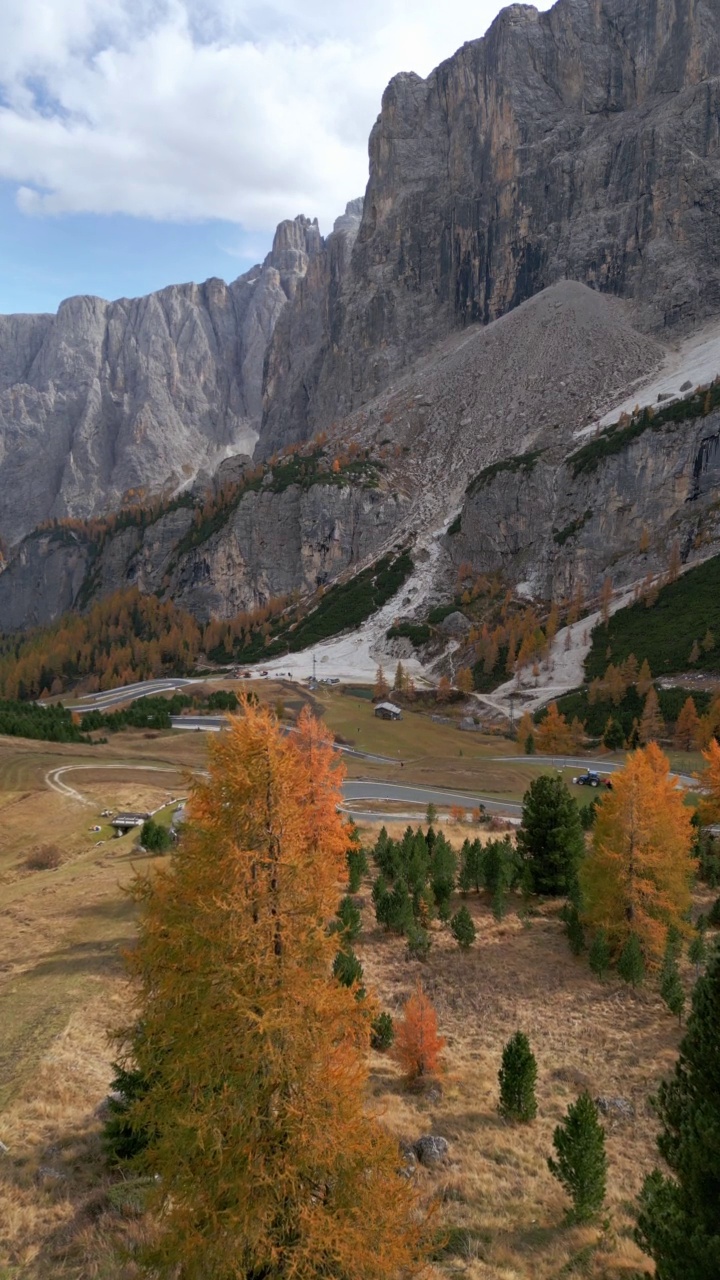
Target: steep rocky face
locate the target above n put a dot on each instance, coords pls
(582, 142)
(541, 523)
(140, 394)
(272, 544)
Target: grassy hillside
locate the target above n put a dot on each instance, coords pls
(499, 1212)
(682, 615)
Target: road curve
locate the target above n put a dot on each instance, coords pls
(352, 791)
(130, 693)
(379, 790)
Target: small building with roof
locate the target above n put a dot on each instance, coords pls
(388, 711)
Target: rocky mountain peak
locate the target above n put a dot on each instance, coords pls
(575, 143)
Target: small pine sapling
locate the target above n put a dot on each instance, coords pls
(697, 951)
(347, 922)
(463, 929)
(599, 956)
(357, 867)
(518, 1076)
(631, 964)
(581, 1164)
(347, 968)
(574, 931)
(671, 988)
(382, 1032)
(122, 1139)
(418, 941)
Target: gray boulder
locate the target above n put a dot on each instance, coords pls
(615, 1108)
(456, 624)
(431, 1150)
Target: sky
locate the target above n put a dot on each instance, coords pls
(150, 142)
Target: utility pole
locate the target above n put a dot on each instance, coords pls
(314, 669)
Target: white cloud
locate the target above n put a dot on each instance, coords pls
(197, 109)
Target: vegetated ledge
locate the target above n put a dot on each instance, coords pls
(623, 433)
(561, 536)
(419, 633)
(342, 607)
(523, 462)
(303, 470)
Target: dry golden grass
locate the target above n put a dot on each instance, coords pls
(504, 1212)
(61, 988)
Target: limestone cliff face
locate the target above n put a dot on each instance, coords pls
(279, 543)
(546, 526)
(272, 544)
(139, 394)
(583, 142)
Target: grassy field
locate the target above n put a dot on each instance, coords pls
(61, 989)
(504, 1212)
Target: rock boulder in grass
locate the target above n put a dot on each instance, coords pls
(431, 1150)
(456, 624)
(615, 1108)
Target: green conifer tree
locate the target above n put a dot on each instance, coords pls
(574, 931)
(697, 951)
(347, 921)
(443, 870)
(357, 867)
(122, 1139)
(671, 988)
(599, 955)
(678, 1221)
(518, 1076)
(347, 968)
(631, 964)
(382, 1033)
(581, 1164)
(418, 941)
(551, 836)
(471, 866)
(613, 736)
(463, 929)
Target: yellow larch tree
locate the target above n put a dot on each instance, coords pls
(637, 876)
(652, 725)
(525, 729)
(267, 1162)
(464, 680)
(710, 783)
(381, 688)
(553, 735)
(687, 726)
(644, 680)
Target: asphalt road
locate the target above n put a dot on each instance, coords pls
(130, 692)
(583, 766)
(379, 790)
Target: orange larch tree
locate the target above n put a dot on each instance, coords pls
(637, 877)
(553, 736)
(254, 1055)
(652, 725)
(418, 1047)
(687, 726)
(710, 783)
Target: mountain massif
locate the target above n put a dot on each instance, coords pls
(538, 234)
